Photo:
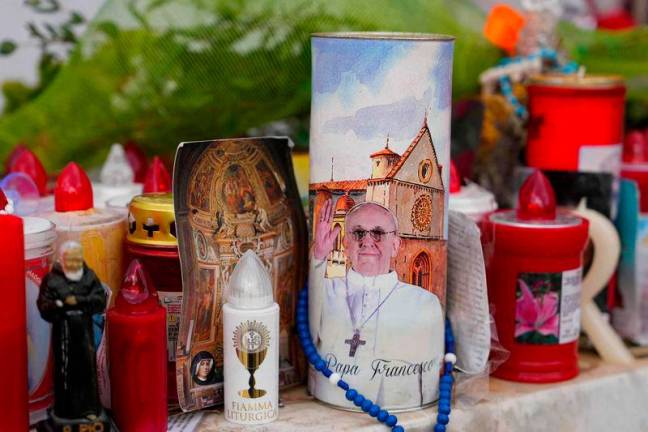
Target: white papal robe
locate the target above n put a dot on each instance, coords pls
(398, 366)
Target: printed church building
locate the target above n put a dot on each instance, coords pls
(411, 186)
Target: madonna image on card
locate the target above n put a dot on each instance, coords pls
(380, 146)
(231, 196)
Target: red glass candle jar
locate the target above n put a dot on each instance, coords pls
(151, 239)
(576, 123)
(534, 261)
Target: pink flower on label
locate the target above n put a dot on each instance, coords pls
(536, 313)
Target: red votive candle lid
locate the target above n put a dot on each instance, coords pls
(158, 178)
(455, 180)
(137, 293)
(536, 199)
(137, 160)
(12, 155)
(26, 162)
(73, 190)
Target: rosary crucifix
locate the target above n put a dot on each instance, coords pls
(354, 343)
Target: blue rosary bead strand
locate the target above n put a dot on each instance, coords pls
(314, 358)
(507, 91)
(446, 381)
(546, 54)
(352, 395)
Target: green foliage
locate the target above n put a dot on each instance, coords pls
(165, 71)
(622, 53)
(17, 94)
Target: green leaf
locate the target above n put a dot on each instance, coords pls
(109, 28)
(7, 47)
(52, 31)
(44, 6)
(33, 30)
(67, 34)
(76, 18)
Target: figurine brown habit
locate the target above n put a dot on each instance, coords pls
(69, 295)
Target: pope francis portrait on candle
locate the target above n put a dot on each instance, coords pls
(384, 336)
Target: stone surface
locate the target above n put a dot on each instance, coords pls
(603, 398)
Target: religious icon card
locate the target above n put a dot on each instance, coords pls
(231, 196)
(380, 149)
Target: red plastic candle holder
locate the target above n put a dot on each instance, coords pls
(533, 262)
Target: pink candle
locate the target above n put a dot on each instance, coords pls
(14, 413)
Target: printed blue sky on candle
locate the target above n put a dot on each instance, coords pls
(365, 90)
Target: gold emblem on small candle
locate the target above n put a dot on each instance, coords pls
(251, 340)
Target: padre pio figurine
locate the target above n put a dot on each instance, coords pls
(69, 296)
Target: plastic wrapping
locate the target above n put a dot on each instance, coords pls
(22, 193)
(479, 352)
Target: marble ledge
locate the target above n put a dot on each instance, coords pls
(603, 398)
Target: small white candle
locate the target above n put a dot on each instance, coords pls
(251, 344)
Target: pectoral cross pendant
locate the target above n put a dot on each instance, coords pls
(354, 343)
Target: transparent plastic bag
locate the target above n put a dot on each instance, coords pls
(478, 349)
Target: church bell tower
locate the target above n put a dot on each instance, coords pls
(383, 161)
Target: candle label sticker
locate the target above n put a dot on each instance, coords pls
(251, 375)
(40, 376)
(251, 341)
(378, 194)
(547, 310)
(230, 196)
(600, 158)
(172, 302)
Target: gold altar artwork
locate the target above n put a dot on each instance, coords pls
(231, 196)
